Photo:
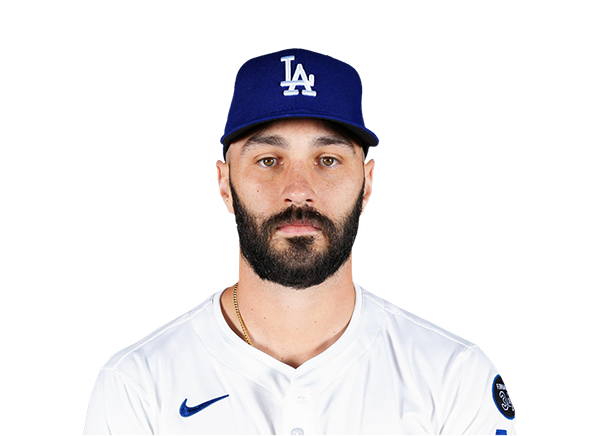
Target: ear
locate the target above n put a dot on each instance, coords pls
(369, 167)
(224, 188)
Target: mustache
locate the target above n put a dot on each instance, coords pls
(294, 214)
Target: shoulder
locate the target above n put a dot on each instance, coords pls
(406, 324)
(159, 343)
(133, 383)
(424, 347)
(454, 374)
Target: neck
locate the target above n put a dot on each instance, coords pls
(291, 325)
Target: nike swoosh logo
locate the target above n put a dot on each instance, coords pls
(186, 411)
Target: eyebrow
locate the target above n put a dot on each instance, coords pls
(277, 141)
(334, 139)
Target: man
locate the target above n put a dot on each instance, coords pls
(295, 347)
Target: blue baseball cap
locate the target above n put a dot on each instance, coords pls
(296, 83)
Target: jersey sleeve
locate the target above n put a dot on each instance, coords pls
(118, 406)
(477, 398)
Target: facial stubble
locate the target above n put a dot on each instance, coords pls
(301, 261)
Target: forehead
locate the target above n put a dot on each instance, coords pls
(285, 133)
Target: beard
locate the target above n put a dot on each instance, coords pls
(300, 263)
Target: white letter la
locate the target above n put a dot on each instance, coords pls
(292, 82)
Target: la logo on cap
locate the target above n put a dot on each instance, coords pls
(299, 79)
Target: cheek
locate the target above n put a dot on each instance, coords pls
(260, 198)
(338, 198)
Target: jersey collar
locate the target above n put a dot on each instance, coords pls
(265, 370)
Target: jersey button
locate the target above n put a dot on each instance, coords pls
(297, 431)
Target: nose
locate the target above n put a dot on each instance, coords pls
(298, 189)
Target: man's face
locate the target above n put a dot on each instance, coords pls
(297, 189)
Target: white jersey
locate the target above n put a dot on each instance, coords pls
(390, 372)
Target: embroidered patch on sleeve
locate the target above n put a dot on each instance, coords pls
(502, 399)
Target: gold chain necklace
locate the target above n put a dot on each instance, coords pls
(239, 315)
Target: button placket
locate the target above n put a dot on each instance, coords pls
(297, 412)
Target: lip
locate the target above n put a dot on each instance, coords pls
(298, 228)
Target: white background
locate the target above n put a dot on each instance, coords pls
(41, 171)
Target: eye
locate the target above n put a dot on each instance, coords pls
(268, 162)
(328, 161)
